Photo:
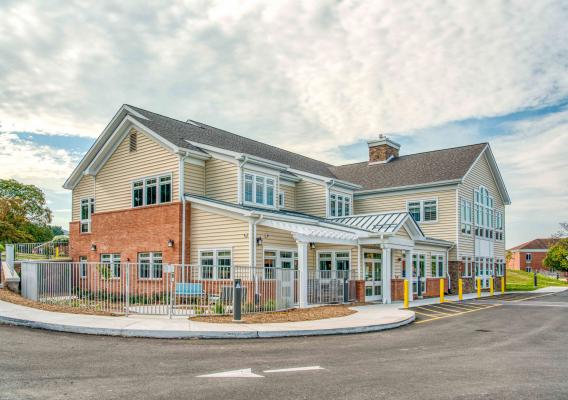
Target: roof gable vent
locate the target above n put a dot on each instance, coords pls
(133, 141)
(382, 150)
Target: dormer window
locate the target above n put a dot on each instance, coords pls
(259, 190)
(339, 204)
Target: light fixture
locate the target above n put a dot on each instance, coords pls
(93, 247)
(259, 241)
(312, 245)
(170, 243)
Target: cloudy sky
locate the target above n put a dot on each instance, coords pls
(314, 77)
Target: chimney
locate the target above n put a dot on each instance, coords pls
(382, 150)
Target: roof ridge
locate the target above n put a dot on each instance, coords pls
(231, 133)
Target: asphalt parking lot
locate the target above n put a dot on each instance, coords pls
(504, 348)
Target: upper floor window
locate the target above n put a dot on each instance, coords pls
(215, 264)
(150, 265)
(423, 210)
(339, 204)
(87, 210)
(281, 199)
(466, 217)
(528, 257)
(499, 225)
(484, 213)
(259, 189)
(153, 190)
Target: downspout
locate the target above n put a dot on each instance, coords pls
(183, 217)
(448, 267)
(252, 238)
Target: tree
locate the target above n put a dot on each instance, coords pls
(32, 198)
(563, 232)
(13, 221)
(57, 230)
(557, 257)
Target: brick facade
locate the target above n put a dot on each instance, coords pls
(518, 260)
(382, 152)
(132, 231)
(456, 270)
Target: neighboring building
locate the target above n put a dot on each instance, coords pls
(155, 189)
(529, 256)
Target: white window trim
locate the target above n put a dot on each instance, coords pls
(334, 259)
(466, 260)
(143, 179)
(528, 257)
(463, 220)
(215, 265)
(444, 267)
(283, 194)
(112, 263)
(90, 202)
(345, 195)
(151, 264)
(265, 176)
(421, 201)
(278, 258)
(83, 266)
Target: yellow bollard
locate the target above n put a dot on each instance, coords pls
(502, 284)
(491, 286)
(441, 290)
(57, 252)
(406, 293)
(460, 289)
(478, 288)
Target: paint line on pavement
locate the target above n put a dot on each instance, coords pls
(455, 315)
(312, 368)
(237, 373)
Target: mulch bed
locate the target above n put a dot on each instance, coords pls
(11, 297)
(293, 315)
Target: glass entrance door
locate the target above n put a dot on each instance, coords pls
(484, 269)
(373, 275)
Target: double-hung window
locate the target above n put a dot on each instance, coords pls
(484, 213)
(153, 190)
(83, 266)
(150, 265)
(215, 264)
(87, 210)
(437, 265)
(340, 204)
(285, 259)
(259, 189)
(499, 267)
(528, 257)
(423, 210)
(499, 225)
(334, 264)
(111, 265)
(466, 217)
(467, 266)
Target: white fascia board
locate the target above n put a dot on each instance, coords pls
(529, 251)
(286, 182)
(498, 177)
(343, 184)
(423, 187)
(434, 242)
(316, 239)
(135, 113)
(412, 228)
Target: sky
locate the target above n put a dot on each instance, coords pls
(315, 77)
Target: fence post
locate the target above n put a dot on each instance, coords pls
(70, 282)
(171, 270)
(127, 290)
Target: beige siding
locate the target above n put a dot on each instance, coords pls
(194, 179)
(312, 254)
(273, 239)
(289, 196)
(445, 228)
(113, 182)
(213, 231)
(310, 198)
(403, 233)
(480, 175)
(85, 188)
(221, 180)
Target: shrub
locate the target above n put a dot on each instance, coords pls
(218, 308)
(270, 305)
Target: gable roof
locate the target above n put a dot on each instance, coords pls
(182, 133)
(389, 222)
(541, 244)
(446, 165)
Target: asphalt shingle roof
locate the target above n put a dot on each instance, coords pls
(412, 169)
(536, 244)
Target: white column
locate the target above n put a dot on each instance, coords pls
(408, 274)
(386, 275)
(303, 271)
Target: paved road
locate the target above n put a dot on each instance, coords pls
(515, 350)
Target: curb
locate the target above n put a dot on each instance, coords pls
(168, 334)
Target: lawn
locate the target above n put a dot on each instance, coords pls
(521, 280)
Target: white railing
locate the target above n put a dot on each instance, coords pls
(329, 287)
(40, 251)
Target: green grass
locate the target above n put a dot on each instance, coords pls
(521, 280)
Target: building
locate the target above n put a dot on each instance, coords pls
(529, 256)
(154, 189)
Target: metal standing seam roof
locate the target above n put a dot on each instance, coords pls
(377, 223)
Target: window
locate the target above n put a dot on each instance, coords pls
(334, 264)
(215, 264)
(437, 265)
(466, 217)
(499, 225)
(113, 262)
(281, 199)
(83, 266)
(499, 267)
(339, 204)
(467, 266)
(423, 210)
(286, 259)
(528, 257)
(153, 190)
(87, 210)
(150, 265)
(133, 141)
(259, 189)
(419, 266)
(484, 213)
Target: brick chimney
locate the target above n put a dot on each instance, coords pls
(382, 150)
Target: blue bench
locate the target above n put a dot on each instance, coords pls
(189, 289)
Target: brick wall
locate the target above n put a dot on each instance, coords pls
(456, 270)
(433, 287)
(132, 231)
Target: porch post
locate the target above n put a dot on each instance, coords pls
(408, 274)
(303, 270)
(386, 275)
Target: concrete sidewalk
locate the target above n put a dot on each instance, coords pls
(369, 318)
